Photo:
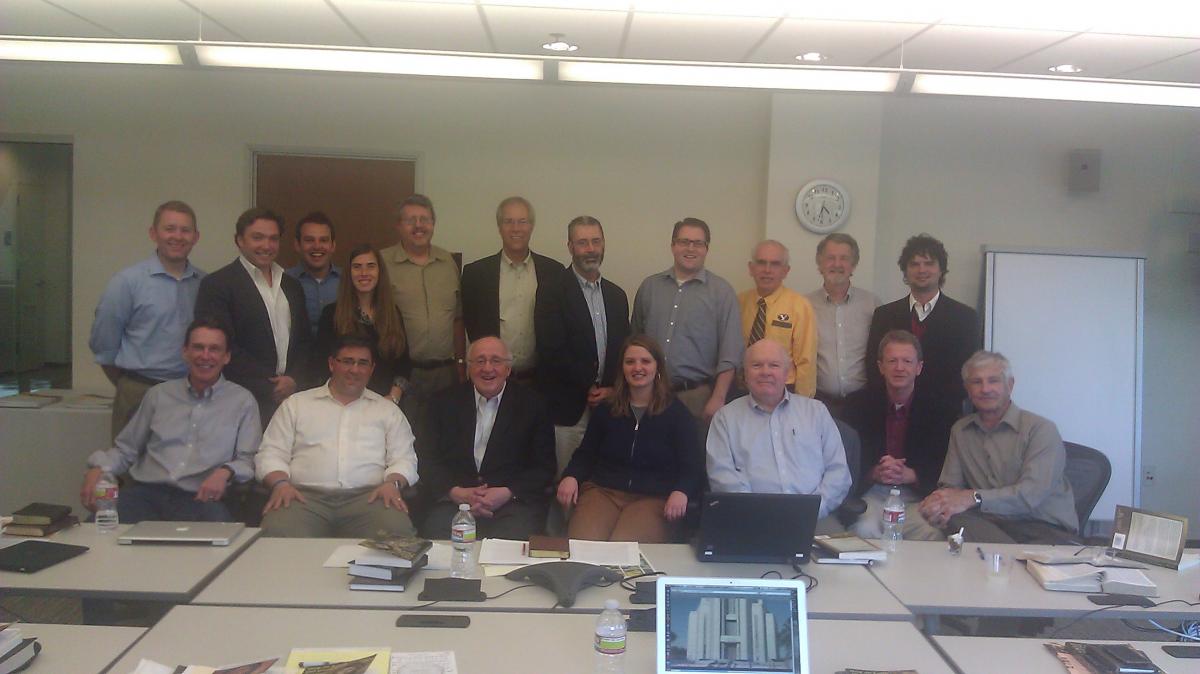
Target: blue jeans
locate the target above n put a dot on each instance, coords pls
(143, 501)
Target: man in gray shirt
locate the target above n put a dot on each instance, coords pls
(694, 315)
(1003, 478)
(189, 439)
(843, 316)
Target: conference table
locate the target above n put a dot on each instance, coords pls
(288, 573)
(995, 655)
(495, 643)
(932, 583)
(78, 648)
(108, 570)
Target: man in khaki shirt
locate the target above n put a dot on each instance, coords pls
(425, 285)
(1003, 480)
(499, 291)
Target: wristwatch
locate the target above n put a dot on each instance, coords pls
(978, 500)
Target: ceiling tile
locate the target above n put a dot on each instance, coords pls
(417, 25)
(166, 20)
(283, 21)
(1106, 55)
(847, 43)
(523, 31)
(1185, 68)
(694, 38)
(974, 49)
(34, 17)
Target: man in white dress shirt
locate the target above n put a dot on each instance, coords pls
(337, 457)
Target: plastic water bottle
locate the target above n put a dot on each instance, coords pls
(106, 504)
(462, 537)
(893, 520)
(610, 640)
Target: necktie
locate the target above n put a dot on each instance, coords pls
(760, 322)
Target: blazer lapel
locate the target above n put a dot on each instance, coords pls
(255, 303)
(499, 428)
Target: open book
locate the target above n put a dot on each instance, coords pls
(1088, 578)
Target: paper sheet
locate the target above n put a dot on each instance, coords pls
(427, 662)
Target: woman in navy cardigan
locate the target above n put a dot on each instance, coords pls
(640, 459)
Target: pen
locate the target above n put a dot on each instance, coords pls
(980, 551)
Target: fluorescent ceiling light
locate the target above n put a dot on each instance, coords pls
(726, 76)
(90, 52)
(1057, 89)
(356, 61)
(812, 57)
(1066, 68)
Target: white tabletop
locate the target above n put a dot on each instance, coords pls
(112, 571)
(929, 581)
(995, 655)
(496, 643)
(288, 572)
(78, 649)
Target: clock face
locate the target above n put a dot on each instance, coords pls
(822, 206)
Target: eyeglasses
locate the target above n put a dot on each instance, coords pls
(494, 361)
(351, 362)
(417, 219)
(691, 243)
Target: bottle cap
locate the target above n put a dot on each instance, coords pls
(895, 491)
(611, 604)
(464, 506)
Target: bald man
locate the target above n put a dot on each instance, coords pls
(771, 310)
(773, 441)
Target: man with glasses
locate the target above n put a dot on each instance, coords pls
(693, 314)
(499, 291)
(772, 311)
(493, 450)
(336, 458)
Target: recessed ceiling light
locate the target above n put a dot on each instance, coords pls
(557, 43)
(99, 51)
(1057, 89)
(812, 57)
(1066, 69)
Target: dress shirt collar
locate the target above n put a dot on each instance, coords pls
(208, 392)
(522, 264)
(326, 391)
(759, 408)
(400, 255)
(300, 270)
(771, 297)
(903, 406)
(256, 273)
(480, 401)
(1011, 418)
(923, 308)
(849, 295)
(701, 276)
(156, 267)
(584, 283)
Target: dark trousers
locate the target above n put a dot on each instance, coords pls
(515, 521)
(143, 501)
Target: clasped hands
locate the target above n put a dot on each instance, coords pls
(484, 500)
(941, 505)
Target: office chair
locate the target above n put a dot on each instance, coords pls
(1088, 471)
(853, 507)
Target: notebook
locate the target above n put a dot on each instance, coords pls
(727, 625)
(193, 533)
(31, 556)
(757, 528)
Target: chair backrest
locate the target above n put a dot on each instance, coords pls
(1088, 471)
(853, 448)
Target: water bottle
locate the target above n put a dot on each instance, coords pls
(893, 520)
(462, 537)
(106, 504)
(610, 640)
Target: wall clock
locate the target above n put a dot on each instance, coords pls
(822, 206)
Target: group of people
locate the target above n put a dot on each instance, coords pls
(382, 396)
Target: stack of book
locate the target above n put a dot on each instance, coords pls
(15, 652)
(40, 519)
(846, 548)
(389, 564)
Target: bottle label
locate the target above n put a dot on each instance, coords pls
(462, 533)
(893, 516)
(610, 645)
(106, 493)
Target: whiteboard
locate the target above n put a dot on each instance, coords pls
(1071, 324)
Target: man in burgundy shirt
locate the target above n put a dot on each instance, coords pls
(904, 428)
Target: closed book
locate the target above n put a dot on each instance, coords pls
(41, 530)
(1087, 578)
(396, 584)
(552, 547)
(384, 572)
(848, 546)
(40, 513)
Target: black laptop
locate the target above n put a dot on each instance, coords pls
(757, 528)
(31, 556)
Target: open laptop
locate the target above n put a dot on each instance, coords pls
(187, 533)
(757, 528)
(728, 625)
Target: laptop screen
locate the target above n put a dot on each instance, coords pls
(732, 625)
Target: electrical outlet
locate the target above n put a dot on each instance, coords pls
(1149, 474)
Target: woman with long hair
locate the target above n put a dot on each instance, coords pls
(640, 461)
(365, 307)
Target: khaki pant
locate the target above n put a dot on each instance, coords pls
(870, 523)
(695, 400)
(604, 514)
(126, 400)
(336, 514)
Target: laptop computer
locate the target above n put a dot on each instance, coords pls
(186, 533)
(31, 556)
(728, 625)
(757, 528)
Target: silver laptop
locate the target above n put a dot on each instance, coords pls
(188, 533)
(728, 625)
